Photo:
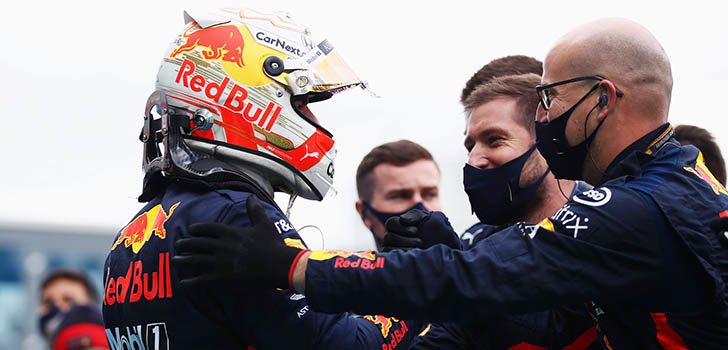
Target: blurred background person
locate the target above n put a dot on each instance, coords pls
(393, 178)
(705, 142)
(69, 314)
(29, 252)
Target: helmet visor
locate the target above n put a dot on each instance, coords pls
(321, 69)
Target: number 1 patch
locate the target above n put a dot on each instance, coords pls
(595, 197)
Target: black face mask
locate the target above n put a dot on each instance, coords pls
(494, 194)
(565, 162)
(49, 322)
(383, 216)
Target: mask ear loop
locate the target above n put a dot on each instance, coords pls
(594, 162)
(558, 182)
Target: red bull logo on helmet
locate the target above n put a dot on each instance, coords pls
(223, 43)
(237, 98)
(230, 48)
(143, 227)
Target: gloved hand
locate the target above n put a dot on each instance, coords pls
(419, 229)
(255, 255)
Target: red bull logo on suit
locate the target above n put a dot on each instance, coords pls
(143, 227)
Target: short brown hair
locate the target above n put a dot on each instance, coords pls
(704, 141)
(397, 153)
(508, 65)
(71, 275)
(521, 87)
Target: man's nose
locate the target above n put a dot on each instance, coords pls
(478, 157)
(416, 198)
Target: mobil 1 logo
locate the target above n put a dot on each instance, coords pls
(152, 336)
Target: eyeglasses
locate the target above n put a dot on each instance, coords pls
(545, 94)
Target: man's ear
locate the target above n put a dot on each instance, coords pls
(359, 206)
(608, 96)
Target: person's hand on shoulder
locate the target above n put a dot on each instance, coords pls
(255, 256)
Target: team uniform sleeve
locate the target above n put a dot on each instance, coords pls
(437, 336)
(564, 328)
(592, 248)
(292, 325)
(283, 320)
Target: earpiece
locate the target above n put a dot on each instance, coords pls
(603, 100)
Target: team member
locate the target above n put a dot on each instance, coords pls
(638, 249)
(69, 316)
(392, 179)
(507, 181)
(705, 142)
(499, 67)
(229, 123)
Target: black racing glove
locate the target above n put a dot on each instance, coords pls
(419, 229)
(254, 256)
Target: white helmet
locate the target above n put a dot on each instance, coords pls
(231, 94)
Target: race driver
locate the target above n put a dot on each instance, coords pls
(229, 124)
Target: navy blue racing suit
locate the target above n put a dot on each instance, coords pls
(638, 249)
(568, 327)
(144, 308)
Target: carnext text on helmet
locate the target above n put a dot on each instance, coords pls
(279, 43)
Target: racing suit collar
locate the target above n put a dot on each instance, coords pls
(646, 145)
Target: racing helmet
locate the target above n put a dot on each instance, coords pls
(232, 93)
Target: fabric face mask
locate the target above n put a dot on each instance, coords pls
(383, 216)
(494, 194)
(48, 323)
(565, 162)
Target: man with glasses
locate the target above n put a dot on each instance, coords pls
(638, 250)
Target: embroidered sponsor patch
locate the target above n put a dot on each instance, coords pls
(529, 230)
(571, 221)
(595, 197)
(470, 236)
(296, 296)
(151, 336)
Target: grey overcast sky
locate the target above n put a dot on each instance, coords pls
(76, 75)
